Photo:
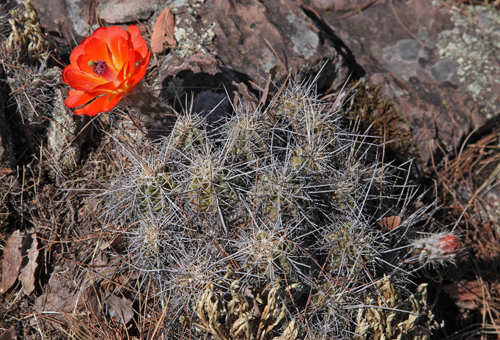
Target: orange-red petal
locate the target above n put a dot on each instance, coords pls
(66, 69)
(97, 106)
(128, 67)
(77, 52)
(113, 101)
(108, 34)
(81, 81)
(131, 60)
(83, 63)
(119, 49)
(98, 50)
(138, 41)
(77, 98)
(140, 71)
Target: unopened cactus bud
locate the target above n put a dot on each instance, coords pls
(438, 248)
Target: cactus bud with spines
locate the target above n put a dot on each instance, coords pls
(248, 137)
(266, 254)
(209, 187)
(188, 132)
(279, 194)
(153, 191)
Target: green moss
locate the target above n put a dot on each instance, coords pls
(372, 111)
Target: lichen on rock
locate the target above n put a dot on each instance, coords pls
(191, 33)
(474, 43)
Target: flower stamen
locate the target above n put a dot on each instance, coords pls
(100, 67)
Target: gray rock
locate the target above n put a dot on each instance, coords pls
(337, 5)
(252, 37)
(443, 77)
(442, 70)
(67, 17)
(124, 11)
(409, 49)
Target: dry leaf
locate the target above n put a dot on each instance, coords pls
(269, 84)
(9, 334)
(247, 291)
(5, 171)
(27, 274)
(94, 298)
(467, 295)
(103, 269)
(163, 32)
(389, 223)
(119, 309)
(61, 295)
(12, 261)
(117, 240)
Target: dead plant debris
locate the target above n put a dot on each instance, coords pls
(163, 32)
(12, 261)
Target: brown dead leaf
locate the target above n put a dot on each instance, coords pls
(62, 293)
(12, 261)
(269, 88)
(163, 32)
(94, 299)
(5, 171)
(102, 269)
(247, 291)
(117, 240)
(27, 274)
(466, 294)
(9, 334)
(119, 309)
(389, 223)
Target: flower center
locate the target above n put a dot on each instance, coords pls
(99, 67)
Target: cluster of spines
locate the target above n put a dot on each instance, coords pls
(280, 193)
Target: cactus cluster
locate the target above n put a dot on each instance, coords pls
(281, 196)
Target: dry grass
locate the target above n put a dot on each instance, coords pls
(468, 185)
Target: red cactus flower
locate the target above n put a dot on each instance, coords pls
(105, 67)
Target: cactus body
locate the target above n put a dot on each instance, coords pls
(293, 198)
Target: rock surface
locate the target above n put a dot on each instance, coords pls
(122, 11)
(439, 66)
(252, 37)
(337, 5)
(68, 21)
(443, 76)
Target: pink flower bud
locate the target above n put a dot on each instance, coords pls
(448, 244)
(436, 248)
